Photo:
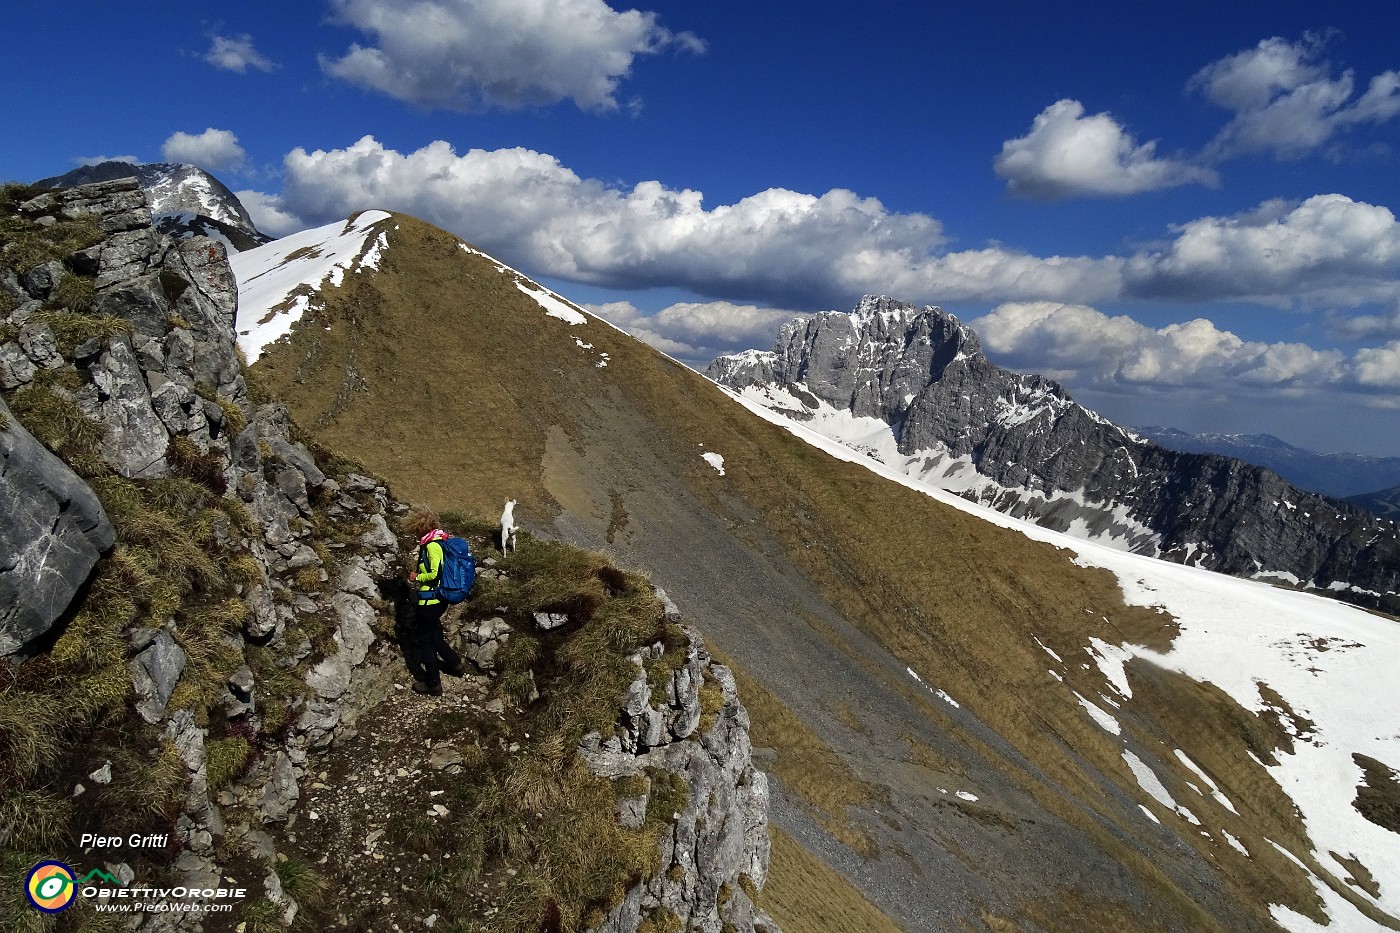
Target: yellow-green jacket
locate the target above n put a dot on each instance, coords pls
(429, 571)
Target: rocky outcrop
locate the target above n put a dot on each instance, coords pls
(164, 389)
(1021, 444)
(304, 659)
(52, 531)
(693, 731)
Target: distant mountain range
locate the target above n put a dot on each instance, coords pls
(912, 388)
(185, 200)
(1345, 476)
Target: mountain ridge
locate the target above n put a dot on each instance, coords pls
(829, 588)
(1020, 442)
(1340, 475)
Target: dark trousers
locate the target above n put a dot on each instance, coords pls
(430, 644)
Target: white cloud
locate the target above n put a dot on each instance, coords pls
(1367, 326)
(779, 246)
(215, 150)
(236, 53)
(791, 249)
(1091, 345)
(1066, 154)
(1328, 249)
(697, 332)
(512, 53)
(99, 159)
(267, 214)
(1286, 101)
(1379, 367)
(1088, 348)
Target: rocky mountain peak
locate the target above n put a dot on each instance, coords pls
(873, 360)
(1020, 442)
(184, 199)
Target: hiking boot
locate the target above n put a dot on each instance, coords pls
(426, 689)
(454, 670)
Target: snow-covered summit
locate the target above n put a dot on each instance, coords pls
(185, 200)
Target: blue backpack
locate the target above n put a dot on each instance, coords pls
(458, 569)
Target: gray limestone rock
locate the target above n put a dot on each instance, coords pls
(52, 531)
(331, 677)
(141, 301)
(123, 256)
(355, 579)
(720, 835)
(549, 621)
(280, 793)
(379, 537)
(16, 369)
(483, 640)
(37, 341)
(155, 672)
(136, 438)
(43, 278)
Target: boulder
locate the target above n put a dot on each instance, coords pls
(53, 529)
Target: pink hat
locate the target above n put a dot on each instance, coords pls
(437, 534)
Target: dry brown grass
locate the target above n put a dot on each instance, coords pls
(805, 896)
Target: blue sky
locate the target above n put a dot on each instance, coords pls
(1185, 213)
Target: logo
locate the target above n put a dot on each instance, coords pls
(50, 887)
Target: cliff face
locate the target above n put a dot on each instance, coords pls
(1037, 454)
(210, 602)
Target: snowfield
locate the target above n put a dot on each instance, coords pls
(276, 280)
(1334, 664)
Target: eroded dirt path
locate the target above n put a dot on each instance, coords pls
(376, 820)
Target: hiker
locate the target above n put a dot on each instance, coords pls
(433, 654)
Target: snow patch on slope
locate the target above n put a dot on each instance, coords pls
(278, 281)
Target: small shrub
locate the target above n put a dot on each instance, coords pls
(35, 820)
(300, 879)
(261, 916)
(711, 702)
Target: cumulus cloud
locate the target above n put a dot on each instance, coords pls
(236, 53)
(1067, 153)
(791, 249)
(697, 332)
(215, 150)
(1084, 346)
(1286, 99)
(1090, 344)
(1366, 326)
(267, 213)
(783, 247)
(1328, 248)
(512, 53)
(1379, 368)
